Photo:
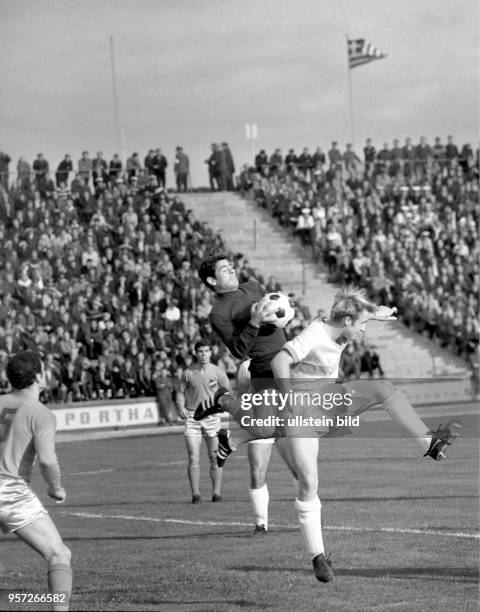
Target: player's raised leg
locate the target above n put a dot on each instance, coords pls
(43, 536)
(397, 405)
(215, 471)
(193, 443)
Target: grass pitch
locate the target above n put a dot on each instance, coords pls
(401, 530)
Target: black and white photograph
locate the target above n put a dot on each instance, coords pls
(239, 305)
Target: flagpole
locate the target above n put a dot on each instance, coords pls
(350, 96)
(118, 136)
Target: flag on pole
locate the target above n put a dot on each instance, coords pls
(361, 52)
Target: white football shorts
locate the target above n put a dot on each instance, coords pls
(19, 506)
(207, 427)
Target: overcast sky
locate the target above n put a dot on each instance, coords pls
(192, 72)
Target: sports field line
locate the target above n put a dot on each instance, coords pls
(152, 519)
(153, 465)
(90, 472)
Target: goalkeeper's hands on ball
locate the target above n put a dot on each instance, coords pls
(261, 313)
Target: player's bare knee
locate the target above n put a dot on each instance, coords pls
(257, 478)
(307, 485)
(193, 460)
(60, 554)
(212, 457)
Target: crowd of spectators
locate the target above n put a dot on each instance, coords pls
(98, 270)
(401, 222)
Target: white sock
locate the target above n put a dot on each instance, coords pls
(259, 499)
(310, 519)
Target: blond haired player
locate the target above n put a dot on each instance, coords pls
(315, 354)
(27, 432)
(199, 382)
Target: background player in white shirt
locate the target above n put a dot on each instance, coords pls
(315, 354)
(199, 382)
(27, 431)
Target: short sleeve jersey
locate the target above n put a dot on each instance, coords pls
(27, 429)
(199, 384)
(314, 353)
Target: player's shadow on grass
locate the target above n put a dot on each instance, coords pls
(183, 536)
(377, 499)
(240, 603)
(465, 574)
(112, 503)
(207, 504)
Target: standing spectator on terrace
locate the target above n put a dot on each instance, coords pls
(438, 155)
(230, 167)
(160, 164)
(335, 158)
(149, 162)
(63, 171)
(133, 167)
(423, 157)
(451, 152)
(318, 159)
(261, 162)
(23, 173)
(408, 159)
(291, 161)
(350, 159)
(304, 162)
(40, 169)
(181, 169)
(466, 159)
(395, 167)
(99, 169)
(85, 166)
(4, 161)
(275, 162)
(213, 163)
(115, 168)
(384, 157)
(369, 154)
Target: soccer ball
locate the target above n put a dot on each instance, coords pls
(281, 306)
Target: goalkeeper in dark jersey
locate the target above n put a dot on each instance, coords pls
(240, 317)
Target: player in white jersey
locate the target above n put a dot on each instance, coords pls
(199, 382)
(300, 369)
(27, 431)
